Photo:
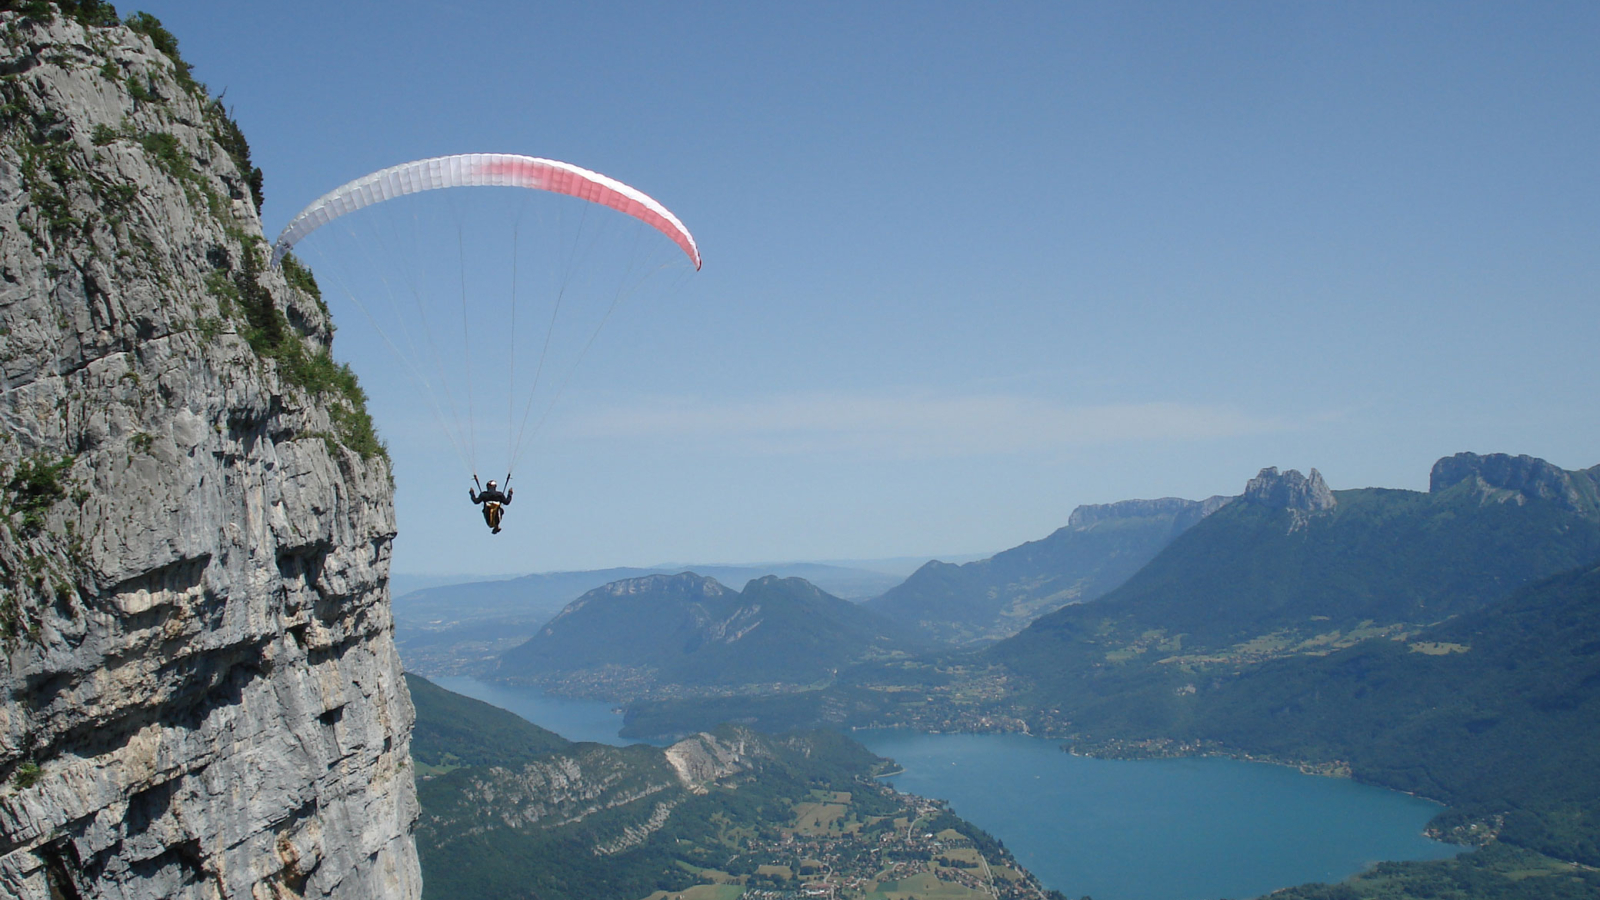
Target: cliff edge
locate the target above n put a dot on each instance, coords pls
(201, 692)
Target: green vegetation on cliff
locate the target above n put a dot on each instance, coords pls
(74, 203)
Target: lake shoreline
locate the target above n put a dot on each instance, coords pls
(1051, 799)
(1089, 824)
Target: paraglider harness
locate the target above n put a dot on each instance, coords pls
(493, 500)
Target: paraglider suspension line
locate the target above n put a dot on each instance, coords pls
(511, 347)
(466, 347)
(544, 352)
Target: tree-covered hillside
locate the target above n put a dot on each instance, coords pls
(453, 731)
(1258, 580)
(1496, 712)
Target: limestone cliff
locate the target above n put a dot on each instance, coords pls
(1183, 513)
(202, 697)
(1503, 478)
(1290, 490)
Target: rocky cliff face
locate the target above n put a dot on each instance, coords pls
(1290, 490)
(201, 694)
(703, 758)
(1184, 513)
(1501, 477)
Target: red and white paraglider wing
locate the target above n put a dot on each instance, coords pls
(485, 170)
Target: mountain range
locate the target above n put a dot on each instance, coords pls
(1099, 548)
(461, 627)
(1496, 712)
(690, 629)
(1292, 568)
(1444, 642)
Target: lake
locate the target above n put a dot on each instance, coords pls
(575, 720)
(1178, 829)
(1168, 829)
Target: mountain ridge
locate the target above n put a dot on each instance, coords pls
(985, 600)
(690, 629)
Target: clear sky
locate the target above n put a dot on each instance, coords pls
(970, 265)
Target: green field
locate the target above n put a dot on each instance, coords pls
(926, 886)
(701, 892)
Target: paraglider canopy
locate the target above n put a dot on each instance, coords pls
(401, 266)
(484, 170)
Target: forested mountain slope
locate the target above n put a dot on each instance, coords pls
(1496, 712)
(453, 730)
(1098, 549)
(1293, 568)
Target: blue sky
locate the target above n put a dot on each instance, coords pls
(970, 265)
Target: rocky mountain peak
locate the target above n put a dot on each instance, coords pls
(1526, 477)
(683, 587)
(1289, 490)
(683, 583)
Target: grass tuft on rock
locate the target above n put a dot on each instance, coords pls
(268, 332)
(35, 486)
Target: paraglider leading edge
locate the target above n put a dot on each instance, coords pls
(485, 170)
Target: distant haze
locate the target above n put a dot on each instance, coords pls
(401, 583)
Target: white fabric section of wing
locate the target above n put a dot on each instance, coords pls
(483, 169)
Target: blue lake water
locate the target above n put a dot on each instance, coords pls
(1180, 829)
(575, 720)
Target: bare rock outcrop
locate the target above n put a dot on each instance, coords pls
(1290, 490)
(703, 758)
(201, 693)
(1183, 512)
(1501, 477)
